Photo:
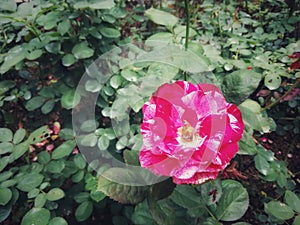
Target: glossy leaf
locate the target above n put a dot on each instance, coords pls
(30, 181)
(68, 60)
(141, 215)
(187, 197)
(279, 210)
(64, 149)
(292, 200)
(238, 85)
(82, 51)
(55, 194)
(272, 81)
(110, 32)
(234, 201)
(122, 193)
(70, 99)
(6, 85)
(6, 147)
(58, 221)
(5, 196)
(36, 216)
(103, 143)
(83, 211)
(55, 166)
(19, 136)
(35, 103)
(161, 17)
(5, 135)
(40, 200)
(48, 106)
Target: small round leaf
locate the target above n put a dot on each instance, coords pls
(36, 216)
(55, 194)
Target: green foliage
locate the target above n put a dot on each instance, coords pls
(46, 47)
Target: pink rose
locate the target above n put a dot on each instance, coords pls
(189, 132)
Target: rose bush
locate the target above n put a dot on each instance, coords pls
(189, 132)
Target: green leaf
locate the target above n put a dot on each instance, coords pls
(77, 177)
(55, 166)
(94, 4)
(279, 210)
(4, 162)
(211, 221)
(173, 55)
(166, 212)
(33, 193)
(64, 149)
(255, 118)
(233, 202)
(5, 212)
(247, 146)
(70, 99)
(238, 85)
(55, 194)
(68, 60)
(48, 106)
(296, 221)
(6, 85)
(124, 194)
(116, 81)
(14, 56)
(79, 161)
(82, 51)
(6, 147)
(161, 17)
(292, 200)
(36, 216)
(272, 81)
(160, 39)
(6, 135)
(103, 143)
(110, 32)
(30, 181)
(8, 5)
(83, 211)
(89, 140)
(35, 103)
(131, 157)
(40, 200)
(241, 223)
(162, 189)
(211, 192)
(38, 135)
(34, 54)
(92, 85)
(187, 197)
(58, 221)
(129, 75)
(53, 47)
(19, 136)
(5, 195)
(141, 215)
(64, 27)
(262, 165)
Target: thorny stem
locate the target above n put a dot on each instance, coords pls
(283, 96)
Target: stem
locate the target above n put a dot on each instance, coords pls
(283, 96)
(187, 12)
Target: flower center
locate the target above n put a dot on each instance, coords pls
(188, 136)
(186, 132)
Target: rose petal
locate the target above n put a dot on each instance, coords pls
(198, 178)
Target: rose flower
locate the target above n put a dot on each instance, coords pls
(190, 132)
